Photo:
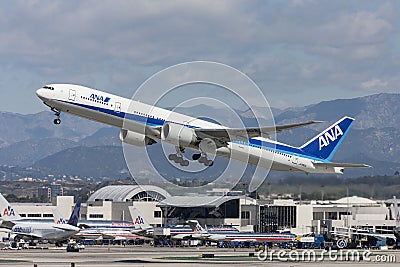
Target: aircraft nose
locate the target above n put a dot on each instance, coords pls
(41, 93)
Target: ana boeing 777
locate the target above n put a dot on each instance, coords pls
(142, 125)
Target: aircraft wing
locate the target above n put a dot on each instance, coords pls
(181, 236)
(108, 236)
(138, 231)
(84, 226)
(4, 230)
(30, 235)
(7, 224)
(380, 236)
(376, 235)
(228, 134)
(343, 165)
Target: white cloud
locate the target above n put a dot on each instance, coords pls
(299, 48)
(374, 84)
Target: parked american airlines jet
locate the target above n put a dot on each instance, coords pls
(148, 125)
(36, 229)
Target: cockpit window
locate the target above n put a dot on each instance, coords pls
(48, 87)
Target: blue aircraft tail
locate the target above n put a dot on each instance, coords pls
(325, 144)
(73, 220)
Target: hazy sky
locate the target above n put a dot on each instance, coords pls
(299, 52)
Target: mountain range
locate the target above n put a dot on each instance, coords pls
(79, 147)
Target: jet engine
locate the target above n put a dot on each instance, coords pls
(135, 139)
(178, 135)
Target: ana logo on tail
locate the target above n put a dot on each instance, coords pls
(329, 136)
(9, 211)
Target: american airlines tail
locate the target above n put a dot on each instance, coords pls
(7, 212)
(196, 227)
(138, 219)
(325, 144)
(394, 209)
(395, 212)
(73, 220)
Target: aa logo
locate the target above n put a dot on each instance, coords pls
(61, 221)
(139, 220)
(8, 211)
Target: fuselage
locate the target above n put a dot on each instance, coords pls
(256, 237)
(135, 116)
(107, 230)
(44, 230)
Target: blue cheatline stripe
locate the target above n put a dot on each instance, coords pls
(121, 114)
(158, 122)
(134, 117)
(293, 151)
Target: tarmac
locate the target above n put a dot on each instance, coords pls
(183, 256)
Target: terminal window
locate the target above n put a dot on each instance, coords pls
(157, 214)
(95, 216)
(245, 214)
(318, 215)
(34, 215)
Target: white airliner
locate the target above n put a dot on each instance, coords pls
(118, 230)
(216, 236)
(148, 125)
(192, 230)
(35, 229)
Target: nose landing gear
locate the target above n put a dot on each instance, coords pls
(57, 113)
(57, 121)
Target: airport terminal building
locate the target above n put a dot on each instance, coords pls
(159, 208)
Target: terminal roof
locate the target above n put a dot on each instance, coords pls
(195, 201)
(122, 193)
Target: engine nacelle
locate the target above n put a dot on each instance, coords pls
(135, 139)
(178, 135)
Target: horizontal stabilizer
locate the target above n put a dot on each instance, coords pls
(7, 224)
(342, 165)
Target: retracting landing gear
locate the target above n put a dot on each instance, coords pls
(57, 113)
(178, 157)
(202, 158)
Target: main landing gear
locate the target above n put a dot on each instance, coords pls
(178, 158)
(202, 158)
(57, 113)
